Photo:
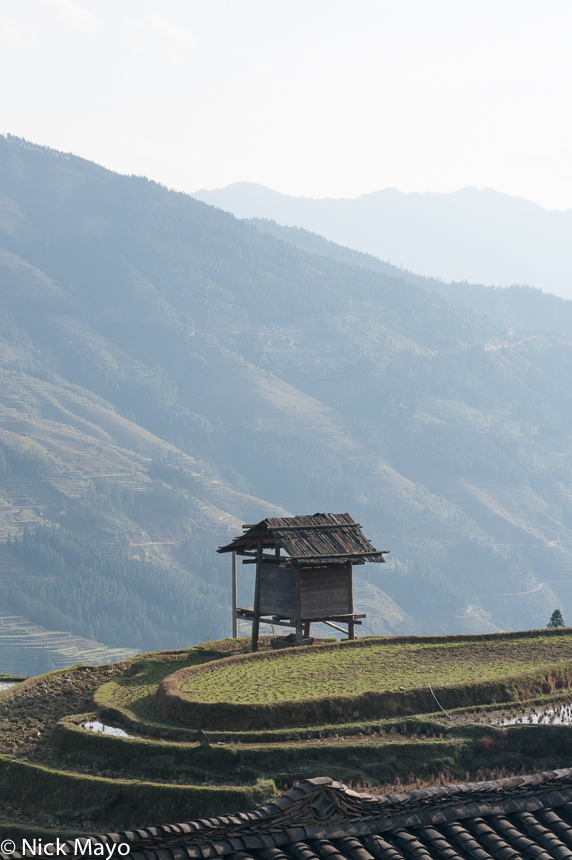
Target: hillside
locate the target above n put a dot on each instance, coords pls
(516, 307)
(482, 236)
(169, 372)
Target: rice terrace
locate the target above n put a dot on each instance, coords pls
(186, 747)
(359, 679)
(375, 666)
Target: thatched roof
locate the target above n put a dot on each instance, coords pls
(316, 539)
(507, 819)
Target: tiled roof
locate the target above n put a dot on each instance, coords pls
(518, 817)
(316, 539)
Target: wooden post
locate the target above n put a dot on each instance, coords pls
(234, 618)
(256, 608)
(351, 625)
(299, 633)
(307, 626)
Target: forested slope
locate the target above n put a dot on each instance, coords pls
(169, 371)
(516, 307)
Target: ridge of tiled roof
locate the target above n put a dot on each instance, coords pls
(321, 819)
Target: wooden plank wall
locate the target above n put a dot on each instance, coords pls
(277, 591)
(326, 592)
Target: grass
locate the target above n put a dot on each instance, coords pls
(112, 801)
(135, 692)
(377, 666)
(131, 697)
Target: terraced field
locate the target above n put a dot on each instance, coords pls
(26, 648)
(62, 777)
(376, 665)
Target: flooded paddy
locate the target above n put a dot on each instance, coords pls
(96, 726)
(555, 714)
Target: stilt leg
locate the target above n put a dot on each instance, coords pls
(256, 621)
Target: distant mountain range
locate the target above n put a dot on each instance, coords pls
(483, 237)
(168, 371)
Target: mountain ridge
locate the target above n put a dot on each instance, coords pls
(482, 236)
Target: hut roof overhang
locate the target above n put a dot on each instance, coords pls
(310, 540)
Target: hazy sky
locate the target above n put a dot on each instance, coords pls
(310, 98)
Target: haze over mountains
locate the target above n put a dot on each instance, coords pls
(168, 371)
(516, 307)
(484, 237)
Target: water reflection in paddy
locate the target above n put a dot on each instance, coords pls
(96, 726)
(553, 715)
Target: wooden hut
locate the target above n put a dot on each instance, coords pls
(312, 582)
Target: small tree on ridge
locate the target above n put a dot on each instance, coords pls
(556, 620)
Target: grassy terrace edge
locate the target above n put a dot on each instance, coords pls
(71, 738)
(434, 721)
(225, 715)
(117, 800)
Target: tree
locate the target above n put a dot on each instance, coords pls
(556, 620)
(45, 662)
